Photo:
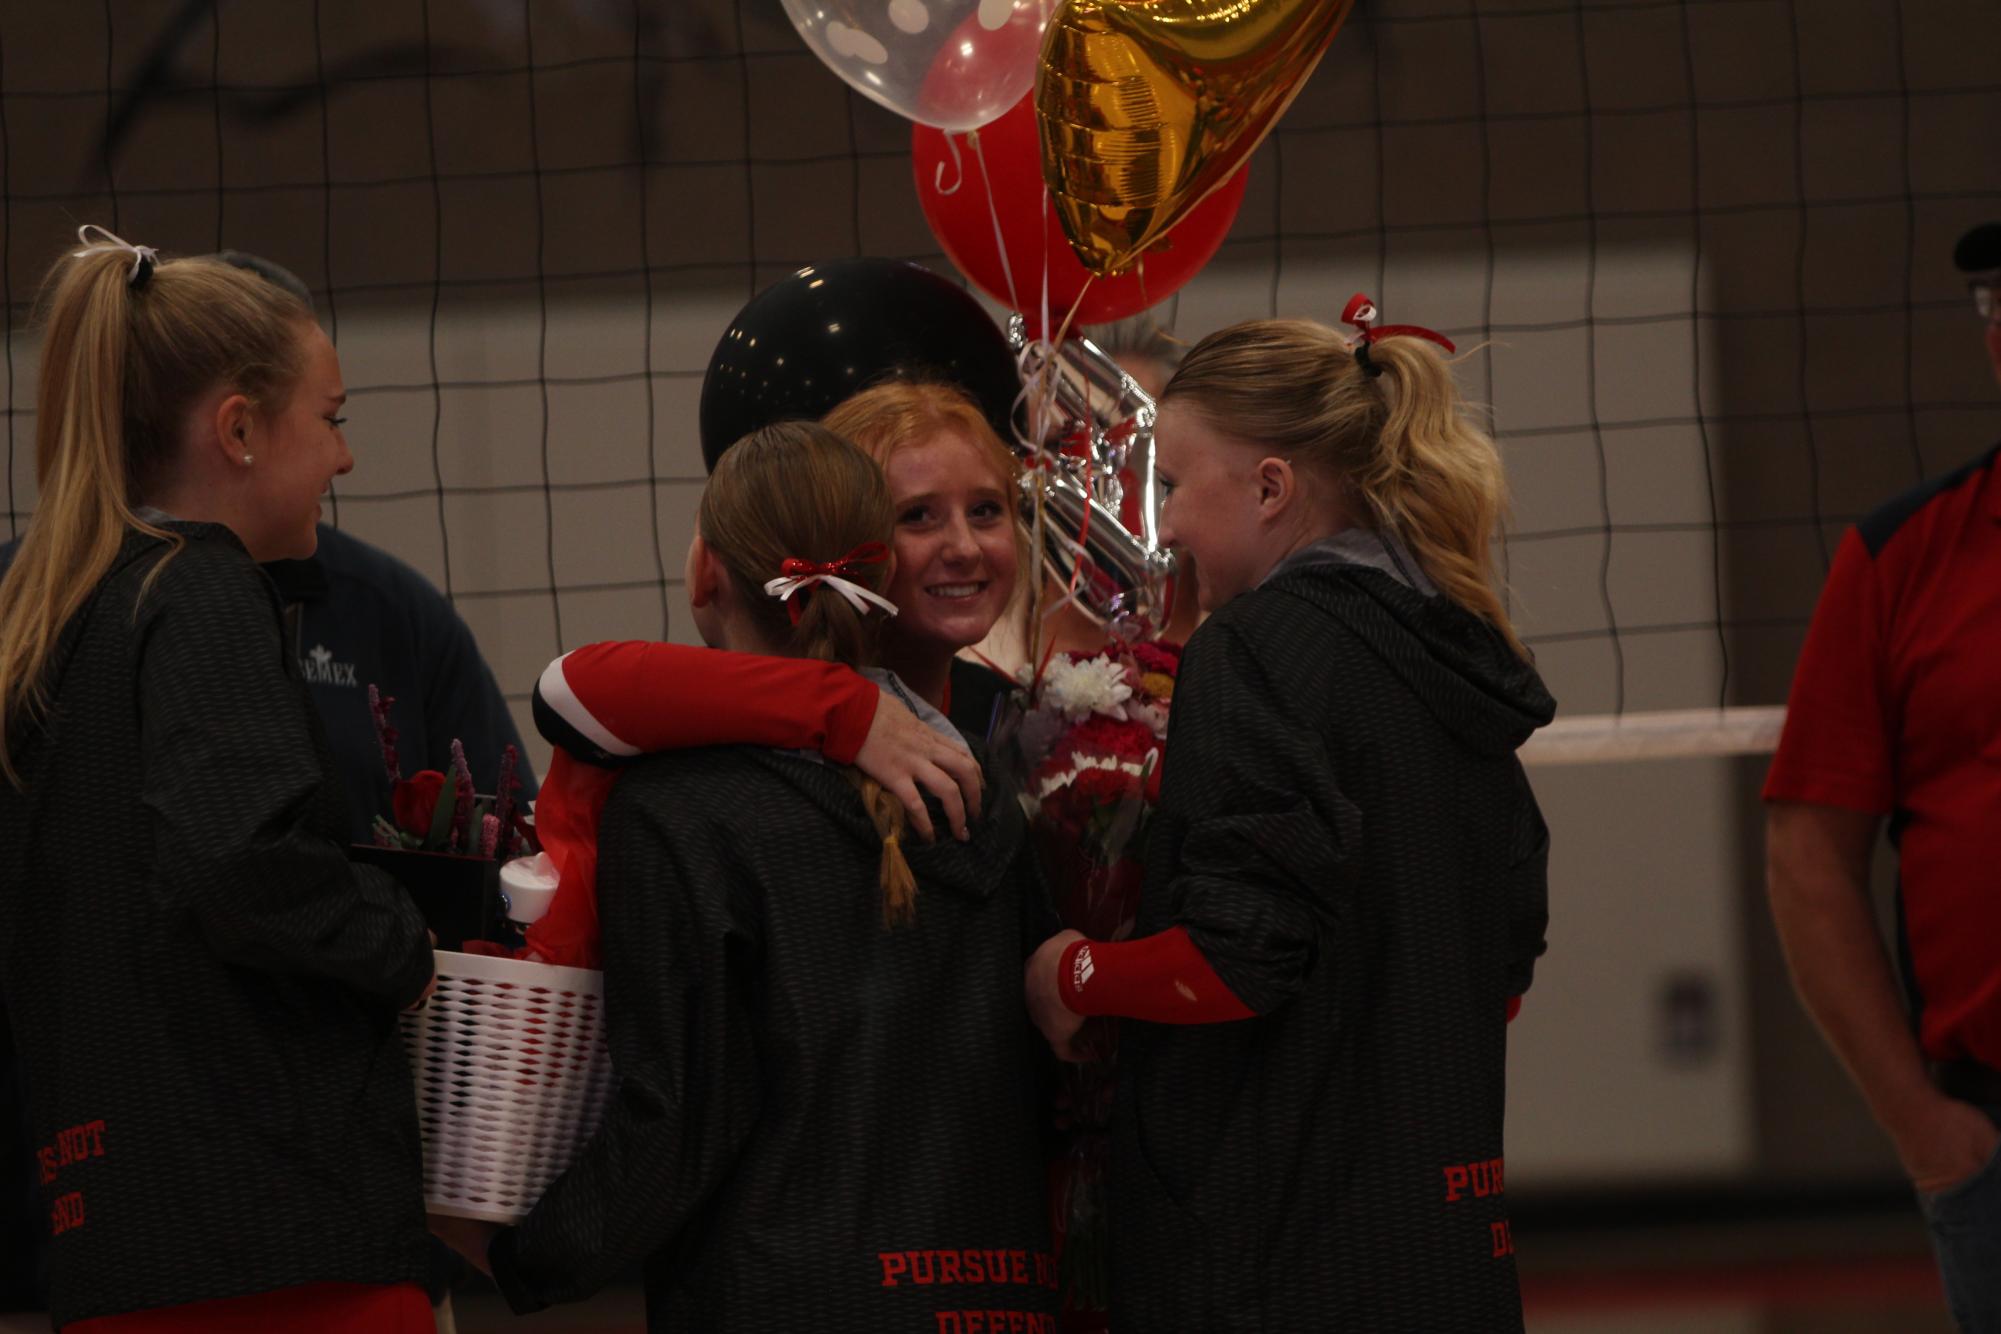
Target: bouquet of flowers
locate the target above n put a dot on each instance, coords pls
(1092, 740)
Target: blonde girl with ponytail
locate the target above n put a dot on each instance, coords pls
(202, 989)
(826, 1114)
(1346, 879)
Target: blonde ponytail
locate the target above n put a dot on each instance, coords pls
(796, 490)
(1398, 441)
(1435, 480)
(121, 366)
(899, 882)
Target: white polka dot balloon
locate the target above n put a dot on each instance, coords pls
(953, 64)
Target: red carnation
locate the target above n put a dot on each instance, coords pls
(1073, 805)
(415, 801)
(1100, 735)
(1163, 656)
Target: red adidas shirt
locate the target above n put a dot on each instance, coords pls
(1896, 710)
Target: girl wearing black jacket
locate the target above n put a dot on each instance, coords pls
(1345, 880)
(203, 990)
(825, 1116)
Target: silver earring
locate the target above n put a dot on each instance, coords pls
(246, 460)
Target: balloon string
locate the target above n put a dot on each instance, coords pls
(993, 212)
(959, 167)
(1084, 528)
(1075, 306)
(1043, 392)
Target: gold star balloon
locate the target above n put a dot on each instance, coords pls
(1148, 105)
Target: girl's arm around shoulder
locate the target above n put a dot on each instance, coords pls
(610, 703)
(619, 700)
(233, 776)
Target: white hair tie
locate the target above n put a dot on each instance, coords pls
(144, 257)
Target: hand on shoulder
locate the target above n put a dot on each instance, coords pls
(909, 759)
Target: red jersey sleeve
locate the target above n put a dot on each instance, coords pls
(624, 699)
(628, 698)
(1836, 748)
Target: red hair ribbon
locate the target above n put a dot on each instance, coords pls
(796, 576)
(1361, 313)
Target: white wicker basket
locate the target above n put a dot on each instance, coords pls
(512, 1074)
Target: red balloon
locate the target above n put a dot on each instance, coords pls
(954, 197)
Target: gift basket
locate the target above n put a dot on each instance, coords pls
(509, 1055)
(511, 1071)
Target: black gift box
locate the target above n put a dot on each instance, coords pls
(459, 896)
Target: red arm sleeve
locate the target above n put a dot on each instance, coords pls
(1836, 749)
(629, 698)
(1162, 978)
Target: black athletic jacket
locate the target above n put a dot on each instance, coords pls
(821, 1123)
(1347, 835)
(203, 990)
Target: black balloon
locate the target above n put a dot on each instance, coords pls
(816, 337)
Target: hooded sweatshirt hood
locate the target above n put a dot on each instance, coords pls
(1477, 687)
(976, 868)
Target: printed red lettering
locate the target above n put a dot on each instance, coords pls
(1015, 1323)
(1455, 1182)
(948, 1322)
(894, 1266)
(920, 1267)
(996, 1265)
(976, 1322)
(1017, 1266)
(45, 1160)
(1504, 1241)
(66, 1214)
(976, 1269)
(1483, 1179)
(948, 1266)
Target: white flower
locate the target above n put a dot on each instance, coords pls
(1079, 689)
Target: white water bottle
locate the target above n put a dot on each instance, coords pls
(528, 885)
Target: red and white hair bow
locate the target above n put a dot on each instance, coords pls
(1362, 314)
(797, 576)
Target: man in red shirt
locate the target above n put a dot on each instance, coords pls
(1896, 712)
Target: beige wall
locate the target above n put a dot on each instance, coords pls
(1705, 244)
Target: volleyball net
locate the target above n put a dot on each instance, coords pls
(1702, 248)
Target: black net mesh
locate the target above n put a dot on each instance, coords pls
(1702, 248)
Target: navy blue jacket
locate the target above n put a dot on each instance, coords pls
(364, 617)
